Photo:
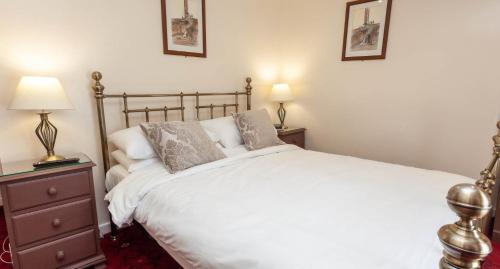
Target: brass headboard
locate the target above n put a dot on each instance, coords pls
(100, 96)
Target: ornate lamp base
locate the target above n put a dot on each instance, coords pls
(47, 133)
(282, 115)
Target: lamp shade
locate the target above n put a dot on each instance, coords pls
(281, 93)
(40, 93)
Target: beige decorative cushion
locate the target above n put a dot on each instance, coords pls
(181, 145)
(257, 129)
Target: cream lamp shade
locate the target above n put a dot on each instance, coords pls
(281, 93)
(40, 94)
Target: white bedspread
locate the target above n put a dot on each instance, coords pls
(285, 208)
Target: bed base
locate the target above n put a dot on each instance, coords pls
(465, 244)
(147, 111)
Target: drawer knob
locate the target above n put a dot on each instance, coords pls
(60, 255)
(56, 223)
(52, 191)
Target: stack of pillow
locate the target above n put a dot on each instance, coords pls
(182, 145)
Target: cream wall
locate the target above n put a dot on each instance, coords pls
(122, 39)
(433, 103)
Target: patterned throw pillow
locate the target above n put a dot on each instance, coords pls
(181, 145)
(257, 129)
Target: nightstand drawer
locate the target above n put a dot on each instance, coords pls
(43, 191)
(59, 253)
(38, 225)
(296, 139)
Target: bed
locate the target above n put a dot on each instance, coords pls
(285, 207)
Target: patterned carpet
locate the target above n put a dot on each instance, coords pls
(135, 250)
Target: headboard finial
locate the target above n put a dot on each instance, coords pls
(249, 84)
(488, 176)
(249, 92)
(98, 87)
(464, 244)
(496, 138)
(97, 76)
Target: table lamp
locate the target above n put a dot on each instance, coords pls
(281, 93)
(42, 94)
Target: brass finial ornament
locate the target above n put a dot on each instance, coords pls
(465, 246)
(249, 88)
(97, 87)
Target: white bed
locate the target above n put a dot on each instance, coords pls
(284, 207)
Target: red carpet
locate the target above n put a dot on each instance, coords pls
(135, 250)
(493, 261)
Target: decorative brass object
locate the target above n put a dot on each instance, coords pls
(465, 246)
(488, 175)
(100, 96)
(47, 133)
(249, 88)
(282, 115)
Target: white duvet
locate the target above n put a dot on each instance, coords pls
(284, 208)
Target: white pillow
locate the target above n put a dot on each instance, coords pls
(225, 129)
(133, 143)
(129, 164)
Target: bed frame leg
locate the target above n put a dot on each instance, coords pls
(465, 245)
(114, 230)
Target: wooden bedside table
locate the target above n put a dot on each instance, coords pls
(294, 136)
(51, 215)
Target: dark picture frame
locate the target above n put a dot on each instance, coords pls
(366, 42)
(181, 36)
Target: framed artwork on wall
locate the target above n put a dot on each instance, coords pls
(184, 27)
(366, 30)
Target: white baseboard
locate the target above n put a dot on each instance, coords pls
(104, 228)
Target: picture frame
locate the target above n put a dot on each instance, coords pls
(366, 30)
(184, 28)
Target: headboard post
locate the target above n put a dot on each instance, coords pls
(488, 175)
(249, 93)
(99, 96)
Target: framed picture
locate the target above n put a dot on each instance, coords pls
(184, 27)
(366, 30)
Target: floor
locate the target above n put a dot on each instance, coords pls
(135, 250)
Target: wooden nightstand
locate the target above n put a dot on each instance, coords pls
(294, 136)
(51, 215)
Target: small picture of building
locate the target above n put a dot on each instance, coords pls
(185, 29)
(365, 36)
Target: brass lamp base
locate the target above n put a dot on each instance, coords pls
(281, 116)
(53, 158)
(47, 133)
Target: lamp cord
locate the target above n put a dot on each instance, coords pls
(6, 250)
